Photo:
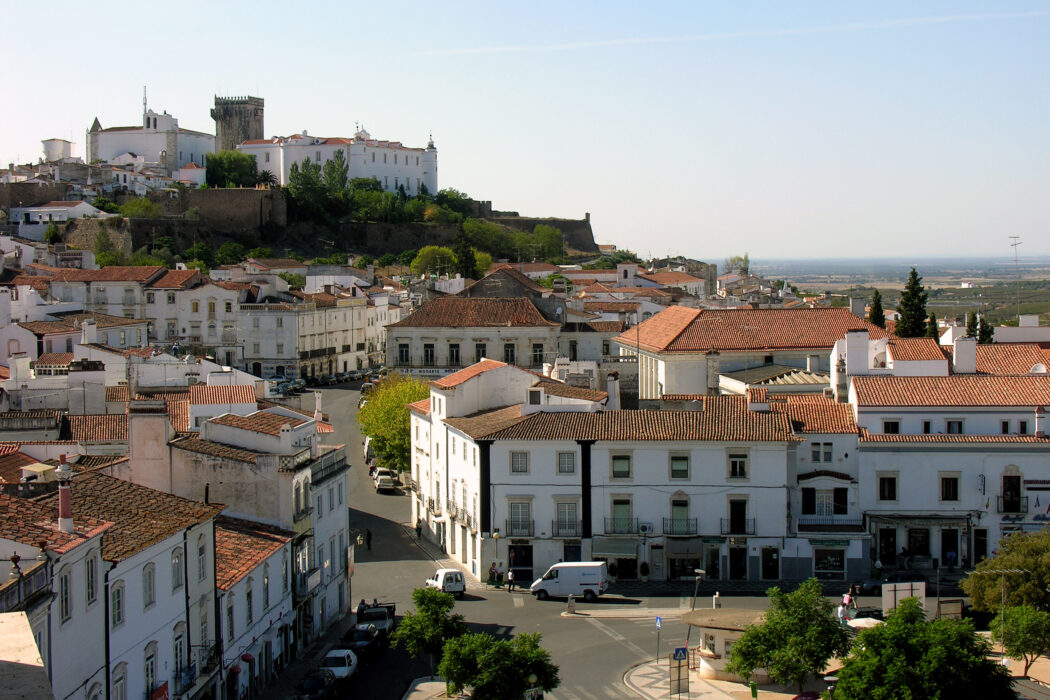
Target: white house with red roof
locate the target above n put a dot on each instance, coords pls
(393, 164)
(33, 221)
(191, 174)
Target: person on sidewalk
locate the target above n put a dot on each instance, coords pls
(368, 539)
(842, 614)
(510, 580)
(419, 529)
(361, 610)
(950, 556)
(492, 574)
(499, 575)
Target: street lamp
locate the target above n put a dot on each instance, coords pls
(533, 691)
(699, 577)
(832, 681)
(1002, 606)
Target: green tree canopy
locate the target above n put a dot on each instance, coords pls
(971, 325)
(230, 253)
(426, 629)
(260, 253)
(267, 178)
(433, 258)
(1029, 551)
(385, 419)
(364, 261)
(455, 200)
(105, 204)
(294, 279)
(738, 262)
(141, 208)
(466, 264)
(406, 257)
(550, 241)
(482, 263)
(912, 308)
(307, 191)
(231, 169)
(1027, 633)
(985, 332)
(200, 251)
(386, 260)
(497, 669)
(799, 635)
(910, 657)
(932, 330)
(876, 315)
(51, 234)
(334, 174)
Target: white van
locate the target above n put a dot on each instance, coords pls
(587, 578)
(448, 581)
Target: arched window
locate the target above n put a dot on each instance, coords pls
(177, 577)
(120, 682)
(95, 693)
(91, 578)
(149, 665)
(249, 612)
(202, 559)
(178, 648)
(229, 307)
(116, 603)
(195, 306)
(149, 585)
(211, 307)
(65, 594)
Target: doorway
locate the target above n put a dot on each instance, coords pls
(572, 551)
(949, 543)
(770, 563)
(712, 558)
(737, 563)
(257, 369)
(737, 518)
(656, 562)
(980, 544)
(918, 542)
(888, 546)
(520, 559)
(1011, 494)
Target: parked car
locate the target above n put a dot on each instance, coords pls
(448, 581)
(381, 472)
(367, 387)
(874, 586)
(866, 612)
(363, 640)
(341, 662)
(316, 685)
(381, 617)
(384, 484)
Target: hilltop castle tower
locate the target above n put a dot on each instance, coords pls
(237, 119)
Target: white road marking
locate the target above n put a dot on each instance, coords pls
(618, 637)
(519, 602)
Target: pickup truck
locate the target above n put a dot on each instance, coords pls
(381, 616)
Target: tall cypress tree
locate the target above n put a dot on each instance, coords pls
(912, 308)
(971, 325)
(875, 314)
(931, 327)
(985, 334)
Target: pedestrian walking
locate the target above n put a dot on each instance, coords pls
(361, 610)
(853, 593)
(510, 580)
(499, 575)
(492, 574)
(842, 615)
(950, 556)
(847, 597)
(419, 529)
(368, 539)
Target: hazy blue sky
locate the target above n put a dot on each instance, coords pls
(782, 129)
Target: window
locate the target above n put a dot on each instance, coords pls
(508, 353)
(116, 604)
(428, 354)
(1022, 427)
(605, 347)
(280, 322)
(284, 572)
(679, 467)
(150, 665)
(202, 561)
(829, 564)
(91, 582)
(150, 297)
(331, 499)
(891, 427)
(820, 451)
(567, 521)
(537, 354)
(229, 619)
(317, 156)
(520, 518)
(123, 338)
(402, 354)
(953, 427)
(479, 352)
(621, 467)
(738, 465)
(280, 348)
(195, 306)
(120, 683)
(177, 579)
(204, 624)
(1005, 427)
(566, 462)
(228, 307)
(255, 322)
(267, 158)
(298, 498)
(320, 506)
(179, 649)
(453, 354)
(949, 488)
(887, 488)
(211, 307)
(149, 588)
(65, 600)
(249, 612)
(927, 427)
(519, 462)
(255, 348)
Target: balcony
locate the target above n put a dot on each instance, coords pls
(307, 581)
(413, 484)
(1012, 504)
(520, 528)
(185, 678)
(830, 523)
(738, 526)
(566, 528)
(621, 526)
(434, 506)
(681, 527)
(303, 513)
(451, 509)
(207, 658)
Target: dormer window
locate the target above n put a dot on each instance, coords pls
(535, 397)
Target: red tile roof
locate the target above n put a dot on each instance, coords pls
(466, 312)
(678, 329)
(1009, 358)
(202, 394)
(57, 359)
(567, 391)
(960, 390)
(99, 428)
(177, 279)
(216, 449)
(423, 406)
(875, 438)
(275, 263)
(259, 422)
(512, 272)
(915, 349)
(118, 394)
(113, 273)
(242, 545)
(670, 278)
(612, 306)
(816, 414)
(11, 464)
(30, 522)
(457, 378)
(549, 268)
(178, 413)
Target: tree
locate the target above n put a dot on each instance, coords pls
(406, 257)
(103, 243)
(459, 202)
(386, 260)
(294, 279)
(231, 169)
(164, 243)
(912, 308)
(466, 264)
(140, 208)
(199, 251)
(260, 253)
(425, 630)
(364, 261)
(798, 637)
(385, 419)
(971, 325)
(985, 333)
(497, 669)
(482, 263)
(550, 241)
(229, 253)
(910, 657)
(1017, 551)
(334, 174)
(306, 190)
(1027, 633)
(932, 330)
(51, 234)
(875, 314)
(267, 178)
(739, 262)
(105, 204)
(433, 258)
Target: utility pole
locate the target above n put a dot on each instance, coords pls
(1017, 273)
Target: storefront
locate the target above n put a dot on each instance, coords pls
(620, 553)
(683, 557)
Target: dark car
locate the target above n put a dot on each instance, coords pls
(874, 586)
(860, 613)
(316, 685)
(364, 640)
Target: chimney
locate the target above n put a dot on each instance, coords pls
(548, 368)
(964, 355)
(318, 415)
(612, 387)
(856, 307)
(88, 332)
(65, 502)
(1040, 422)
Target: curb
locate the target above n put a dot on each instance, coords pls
(630, 686)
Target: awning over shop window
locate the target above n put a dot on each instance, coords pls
(613, 547)
(918, 519)
(684, 547)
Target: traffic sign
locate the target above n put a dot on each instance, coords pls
(659, 623)
(680, 654)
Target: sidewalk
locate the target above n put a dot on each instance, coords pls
(652, 679)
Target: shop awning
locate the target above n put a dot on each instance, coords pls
(918, 519)
(683, 547)
(613, 547)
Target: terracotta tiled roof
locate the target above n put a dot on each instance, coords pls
(95, 428)
(723, 418)
(602, 326)
(272, 263)
(242, 545)
(612, 306)
(38, 283)
(101, 320)
(422, 406)
(47, 327)
(915, 349)
(467, 312)
(512, 272)
(816, 414)
(30, 522)
(176, 279)
(549, 268)
(142, 516)
(554, 388)
(118, 393)
(123, 352)
(874, 438)
(1009, 358)
(669, 278)
(37, 413)
(457, 378)
(683, 397)
(11, 465)
(961, 390)
(215, 449)
(58, 359)
(263, 404)
(85, 463)
(201, 394)
(483, 423)
(113, 273)
(678, 329)
(258, 422)
(178, 414)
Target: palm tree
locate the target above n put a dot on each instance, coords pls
(267, 178)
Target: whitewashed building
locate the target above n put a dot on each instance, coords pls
(159, 140)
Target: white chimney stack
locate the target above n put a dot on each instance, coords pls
(318, 415)
(88, 332)
(964, 355)
(612, 387)
(1040, 422)
(65, 502)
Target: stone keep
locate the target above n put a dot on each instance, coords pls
(237, 119)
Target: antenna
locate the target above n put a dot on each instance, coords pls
(1017, 272)
(143, 99)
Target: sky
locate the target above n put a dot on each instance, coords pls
(785, 130)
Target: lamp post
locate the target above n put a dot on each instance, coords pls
(1002, 606)
(696, 588)
(832, 681)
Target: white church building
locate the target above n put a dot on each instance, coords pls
(157, 141)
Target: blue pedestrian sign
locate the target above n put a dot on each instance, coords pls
(680, 654)
(659, 623)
